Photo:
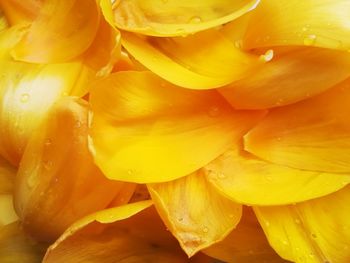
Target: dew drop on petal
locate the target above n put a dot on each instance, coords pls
(25, 97)
(310, 40)
(195, 20)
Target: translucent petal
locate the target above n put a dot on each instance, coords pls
(146, 130)
(321, 23)
(16, 246)
(57, 181)
(131, 233)
(313, 231)
(214, 63)
(246, 243)
(249, 180)
(290, 76)
(63, 30)
(182, 204)
(310, 135)
(177, 18)
(18, 11)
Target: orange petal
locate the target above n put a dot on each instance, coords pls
(63, 30)
(18, 11)
(246, 179)
(147, 130)
(310, 135)
(314, 231)
(214, 63)
(57, 181)
(130, 233)
(177, 18)
(246, 243)
(275, 83)
(7, 176)
(320, 23)
(182, 204)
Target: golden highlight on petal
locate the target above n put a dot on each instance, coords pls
(177, 18)
(57, 181)
(146, 130)
(181, 61)
(18, 11)
(63, 30)
(310, 135)
(313, 231)
(194, 212)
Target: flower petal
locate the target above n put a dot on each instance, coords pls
(16, 246)
(7, 212)
(214, 63)
(176, 18)
(182, 204)
(63, 30)
(7, 176)
(246, 179)
(310, 135)
(130, 233)
(313, 231)
(57, 178)
(246, 243)
(17, 11)
(321, 23)
(146, 130)
(3, 21)
(275, 83)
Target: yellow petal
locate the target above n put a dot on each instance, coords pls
(16, 246)
(249, 180)
(246, 243)
(7, 212)
(130, 233)
(176, 18)
(313, 231)
(275, 83)
(17, 11)
(63, 30)
(7, 176)
(194, 212)
(57, 181)
(214, 63)
(310, 135)
(146, 130)
(320, 23)
(3, 21)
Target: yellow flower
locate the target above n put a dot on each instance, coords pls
(169, 131)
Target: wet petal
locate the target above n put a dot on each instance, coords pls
(249, 180)
(214, 63)
(246, 243)
(182, 204)
(177, 18)
(17, 11)
(275, 83)
(62, 31)
(321, 23)
(57, 178)
(131, 233)
(313, 231)
(147, 130)
(310, 135)
(16, 246)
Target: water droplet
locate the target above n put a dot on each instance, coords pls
(214, 111)
(231, 216)
(48, 142)
(268, 56)
(47, 165)
(267, 223)
(130, 172)
(285, 242)
(31, 180)
(239, 43)
(195, 20)
(310, 40)
(25, 97)
(314, 235)
(78, 124)
(180, 219)
(221, 176)
(311, 255)
(205, 229)
(297, 221)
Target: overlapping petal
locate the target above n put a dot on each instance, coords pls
(310, 135)
(321, 23)
(177, 18)
(214, 63)
(182, 205)
(3, 21)
(63, 30)
(246, 179)
(147, 130)
(57, 181)
(17, 11)
(313, 231)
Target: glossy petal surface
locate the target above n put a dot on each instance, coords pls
(182, 205)
(177, 18)
(17, 11)
(313, 231)
(147, 130)
(310, 135)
